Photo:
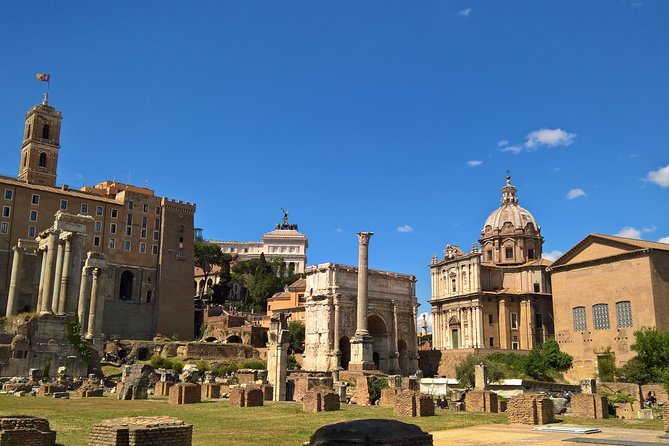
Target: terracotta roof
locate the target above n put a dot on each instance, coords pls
(280, 295)
(643, 244)
(199, 272)
(298, 285)
(58, 190)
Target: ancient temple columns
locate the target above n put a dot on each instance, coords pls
(40, 292)
(17, 263)
(363, 279)
(65, 275)
(47, 288)
(504, 331)
(336, 301)
(57, 275)
(96, 308)
(86, 272)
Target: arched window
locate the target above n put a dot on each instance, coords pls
(624, 314)
(42, 159)
(27, 132)
(125, 290)
(600, 316)
(46, 131)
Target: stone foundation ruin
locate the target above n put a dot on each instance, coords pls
(141, 431)
(26, 431)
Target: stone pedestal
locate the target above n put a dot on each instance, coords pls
(141, 431)
(185, 393)
(211, 391)
(481, 401)
(480, 377)
(330, 402)
(388, 396)
(162, 388)
(26, 431)
(585, 405)
(362, 353)
(530, 409)
(311, 402)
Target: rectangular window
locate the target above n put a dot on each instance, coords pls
(491, 341)
(145, 222)
(32, 231)
(580, 324)
(114, 213)
(35, 199)
(514, 321)
(112, 243)
(129, 219)
(112, 228)
(509, 253)
(126, 245)
(600, 316)
(156, 224)
(99, 211)
(157, 210)
(538, 320)
(148, 296)
(624, 314)
(143, 233)
(131, 205)
(4, 227)
(537, 288)
(98, 226)
(490, 319)
(6, 211)
(128, 231)
(530, 254)
(514, 343)
(63, 204)
(96, 240)
(156, 235)
(154, 249)
(142, 248)
(9, 194)
(33, 215)
(146, 208)
(84, 208)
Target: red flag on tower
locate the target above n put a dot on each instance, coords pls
(43, 77)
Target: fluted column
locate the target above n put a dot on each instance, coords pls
(57, 276)
(83, 292)
(435, 330)
(47, 289)
(96, 308)
(15, 281)
(42, 271)
(503, 324)
(363, 279)
(65, 276)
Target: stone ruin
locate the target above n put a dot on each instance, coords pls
(163, 385)
(26, 431)
(370, 432)
(317, 401)
(246, 397)
(530, 409)
(411, 404)
(90, 389)
(277, 356)
(481, 401)
(141, 431)
(586, 405)
(665, 417)
(51, 389)
(185, 393)
(135, 382)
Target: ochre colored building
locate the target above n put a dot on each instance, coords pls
(604, 289)
(147, 240)
(290, 302)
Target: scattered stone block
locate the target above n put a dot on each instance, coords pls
(593, 406)
(331, 402)
(646, 414)
(246, 376)
(425, 406)
(665, 417)
(370, 432)
(136, 384)
(268, 392)
(405, 404)
(311, 402)
(411, 383)
(162, 388)
(254, 397)
(64, 395)
(141, 431)
(531, 409)
(388, 396)
(481, 401)
(185, 393)
(90, 389)
(50, 389)
(237, 397)
(211, 391)
(26, 431)
(559, 405)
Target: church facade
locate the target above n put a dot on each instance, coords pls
(144, 243)
(497, 296)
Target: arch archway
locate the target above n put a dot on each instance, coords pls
(42, 159)
(345, 349)
(234, 339)
(125, 288)
(378, 330)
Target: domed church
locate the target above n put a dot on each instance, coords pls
(497, 296)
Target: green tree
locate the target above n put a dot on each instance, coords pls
(221, 289)
(464, 371)
(206, 257)
(651, 363)
(546, 359)
(296, 336)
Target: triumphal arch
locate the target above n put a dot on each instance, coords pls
(360, 319)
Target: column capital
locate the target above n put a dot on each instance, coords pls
(18, 248)
(363, 237)
(96, 272)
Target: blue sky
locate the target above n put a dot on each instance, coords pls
(389, 116)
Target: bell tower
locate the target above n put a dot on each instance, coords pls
(41, 143)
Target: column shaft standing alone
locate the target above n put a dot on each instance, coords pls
(363, 281)
(14, 283)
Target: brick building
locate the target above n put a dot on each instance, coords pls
(147, 240)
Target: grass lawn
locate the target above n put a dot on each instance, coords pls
(214, 422)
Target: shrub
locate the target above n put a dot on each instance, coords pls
(293, 364)
(375, 389)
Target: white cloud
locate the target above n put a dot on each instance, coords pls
(664, 239)
(404, 228)
(659, 176)
(550, 138)
(575, 193)
(637, 4)
(474, 163)
(465, 12)
(553, 255)
(629, 232)
(428, 319)
(502, 143)
(649, 229)
(339, 230)
(512, 149)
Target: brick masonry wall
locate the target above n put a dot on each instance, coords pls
(141, 431)
(665, 417)
(361, 396)
(311, 402)
(388, 396)
(162, 388)
(331, 402)
(626, 410)
(660, 394)
(481, 401)
(26, 431)
(425, 406)
(589, 406)
(530, 409)
(405, 404)
(211, 390)
(185, 393)
(50, 389)
(254, 397)
(237, 397)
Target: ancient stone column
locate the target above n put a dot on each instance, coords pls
(83, 292)
(15, 281)
(337, 319)
(76, 251)
(363, 279)
(480, 325)
(42, 271)
(394, 365)
(96, 308)
(47, 288)
(65, 276)
(277, 356)
(58, 276)
(503, 324)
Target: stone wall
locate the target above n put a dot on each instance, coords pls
(331, 402)
(211, 390)
(141, 431)
(388, 396)
(237, 397)
(185, 393)
(530, 409)
(626, 410)
(311, 402)
(405, 404)
(254, 397)
(26, 431)
(589, 406)
(162, 388)
(481, 401)
(661, 394)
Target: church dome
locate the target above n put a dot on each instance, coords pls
(509, 212)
